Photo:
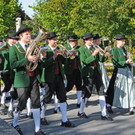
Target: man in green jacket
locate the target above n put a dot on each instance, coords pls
(53, 76)
(1, 69)
(92, 75)
(7, 75)
(72, 68)
(25, 82)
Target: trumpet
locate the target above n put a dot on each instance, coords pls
(103, 52)
(65, 52)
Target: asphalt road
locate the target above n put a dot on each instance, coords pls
(123, 124)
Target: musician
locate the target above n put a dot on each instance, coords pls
(54, 76)
(105, 78)
(28, 104)
(72, 68)
(91, 74)
(121, 90)
(26, 83)
(7, 76)
(1, 68)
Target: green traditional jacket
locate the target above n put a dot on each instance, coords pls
(1, 64)
(119, 59)
(69, 63)
(5, 55)
(18, 63)
(87, 61)
(49, 67)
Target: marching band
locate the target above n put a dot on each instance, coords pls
(81, 66)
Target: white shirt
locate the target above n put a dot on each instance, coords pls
(71, 46)
(88, 47)
(52, 48)
(23, 45)
(9, 44)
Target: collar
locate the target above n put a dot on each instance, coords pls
(52, 48)
(71, 46)
(9, 44)
(23, 45)
(89, 47)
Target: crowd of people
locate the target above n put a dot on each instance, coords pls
(81, 66)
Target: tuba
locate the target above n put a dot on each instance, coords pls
(65, 52)
(34, 48)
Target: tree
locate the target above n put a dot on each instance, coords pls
(8, 13)
(108, 17)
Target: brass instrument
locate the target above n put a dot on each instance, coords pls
(34, 48)
(3, 46)
(65, 52)
(130, 57)
(102, 52)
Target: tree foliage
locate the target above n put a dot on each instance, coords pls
(66, 17)
(8, 14)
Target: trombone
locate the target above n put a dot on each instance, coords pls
(65, 52)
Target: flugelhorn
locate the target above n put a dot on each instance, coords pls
(103, 52)
(130, 57)
(65, 52)
(34, 48)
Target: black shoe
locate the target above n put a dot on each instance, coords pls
(43, 121)
(10, 114)
(29, 116)
(131, 112)
(106, 118)
(82, 115)
(55, 111)
(78, 105)
(2, 112)
(67, 124)
(40, 132)
(3, 106)
(18, 129)
(109, 109)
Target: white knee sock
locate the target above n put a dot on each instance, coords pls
(28, 106)
(63, 108)
(55, 102)
(10, 108)
(3, 98)
(43, 110)
(83, 102)
(36, 116)
(16, 118)
(108, 105)
(65, 83)
(102, 105)
(79, 94)
(131, 109)
(7, 94)
(43, 91)
(12, 89)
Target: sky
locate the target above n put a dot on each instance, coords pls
(25, 4)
